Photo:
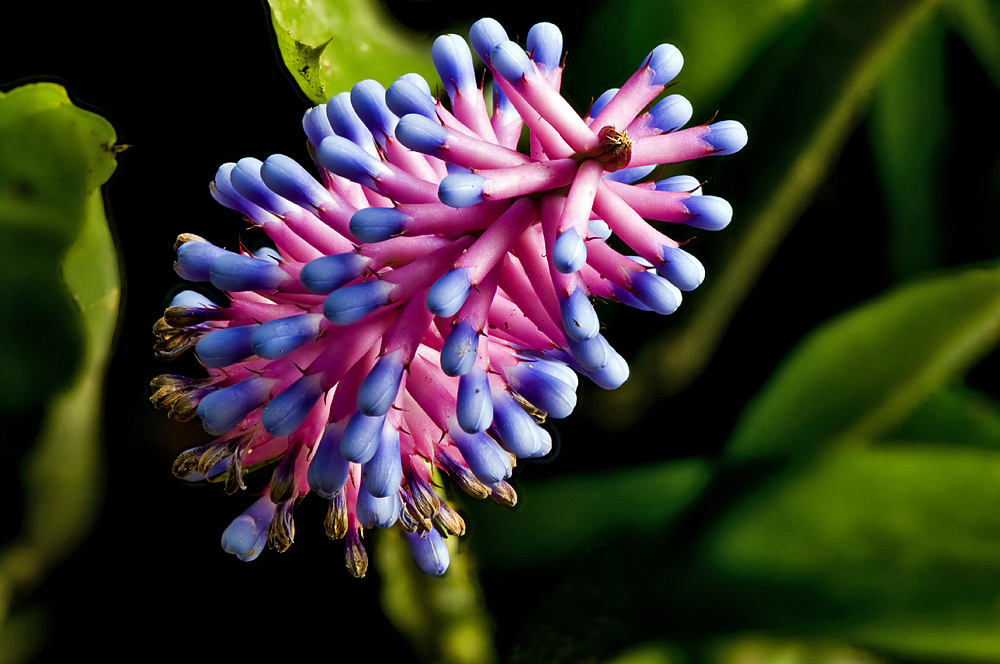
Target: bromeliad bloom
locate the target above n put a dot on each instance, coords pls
(428, 300)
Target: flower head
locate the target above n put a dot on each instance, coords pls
(428, 301)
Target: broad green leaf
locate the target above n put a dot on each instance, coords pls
(62, 255)
(558, 518)
(908, 125)
(329, 45)
(443, 617)
(864, 372)
(978, 22)
(895, 548)
(793, 144)
(953, 415)
(744, 649)
(651, 652)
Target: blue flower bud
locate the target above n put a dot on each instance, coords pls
(613, 374)
(484, 35)
(579, 318)
(453, 61)
(421, 134)
(599, 228)
(328, 470)
(511, 62)
(681, 269)
(346, 159)
(592, 354)
(545, 44)
(569, 252)
(220, 348)
(246, 180)
(193, 299)
(406, 96)
(223, 409)
(316, 124)
(236, 272)
(474, 406)
(194, 259)
(286, 177)
(713, 213)
(379, 388)
(656, 293)
(352, 303)
(514, 426)
(681, 183)
(361, 437)
(502, 104)
(368, 100)
(666, 62)
(727, 137)
(247, 534)
(374, 224)
(630, 175)
(345, 122)
(285, 412)
(544, 439)
(670, 113)
(448, 293)
(545, 385)
(383, 473)
(459, 352)
(598, 105)
(430, 551)
(375, 512)
(487, 460)
(461, 190)
(278, 337)
(326, 274)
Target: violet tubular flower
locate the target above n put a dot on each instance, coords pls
(428, 303)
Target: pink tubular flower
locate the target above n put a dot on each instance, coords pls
(428, 303)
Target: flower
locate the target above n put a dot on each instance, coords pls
(428, 302)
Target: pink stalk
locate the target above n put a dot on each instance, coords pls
(550, 140)
(471, 111)
(469, 152)
(549, 104)
(406, 334)
(527, 179)
(496, 241)
(668, 148)
(351, 345)
(412, 162)
(628, 102)
(652, 204)
(437, 218)
(424, 271)
(401, 187)
(630, 227)
(345, 396)
(530, 250)
(400, 250)
(508, 322)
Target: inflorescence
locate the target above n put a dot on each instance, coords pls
(428, 302)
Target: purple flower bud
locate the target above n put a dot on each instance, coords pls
(328, 471)
(681, 269)
(383, 473)
(279, 337)
(352, 303)
(194, 258)
(569, 253)
(510, 61)
(378, 390)
(316, 124)
(375, 512)
(430, 551)
(712, 213)
(247, 182)
(406, 96)
(602, 101)
(368, 100)
(474, 404)
(341, 156)
(545, 44)
(375, 224)
(656, 293)
(285, 412)
(514, 426)
(461, 190)
(727, 137)
(579, 318)
(328, 273)
(671, 113)
(680, 183)
(221, 348)
(487, 460)
(484, 35)
(630, 175)
(666, 62)
(223, 409)
(458, 355)
(286, 177)
(345, 123)
(247, 534)
(448, 293)
(453, 61)
(236, 273)
(592, 354)
(613, 374)
(421, 134)
(549, 386)
(361, 437)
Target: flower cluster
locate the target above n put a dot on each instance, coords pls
(428, 302)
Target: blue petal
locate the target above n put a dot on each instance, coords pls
(352, 303)
(247, 534)
(285, 412)
(569, 252)
(326, 274)
(461, 190)
(379, 388)
(278, 337)
(383, 473)
(474, 406)
(579, 318)
(448, 293)
(220, 348)
(223, 409)
(328, 470)
(459, 352)
(430, 551)
(681, 269)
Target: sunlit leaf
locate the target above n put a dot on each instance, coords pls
(56, 157)
(862, 373)
(329, 45)
(978, 21)
(953, 415)
(555, 519)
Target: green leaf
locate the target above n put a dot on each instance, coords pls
(443, 617)
(908, 125)
(894, 548)
(953, 415)
(62, 255)
(793, 144)
(864, 372)
(978, 22)
(329, 45)
(558, 518)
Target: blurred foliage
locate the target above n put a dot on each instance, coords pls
(59, 304)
